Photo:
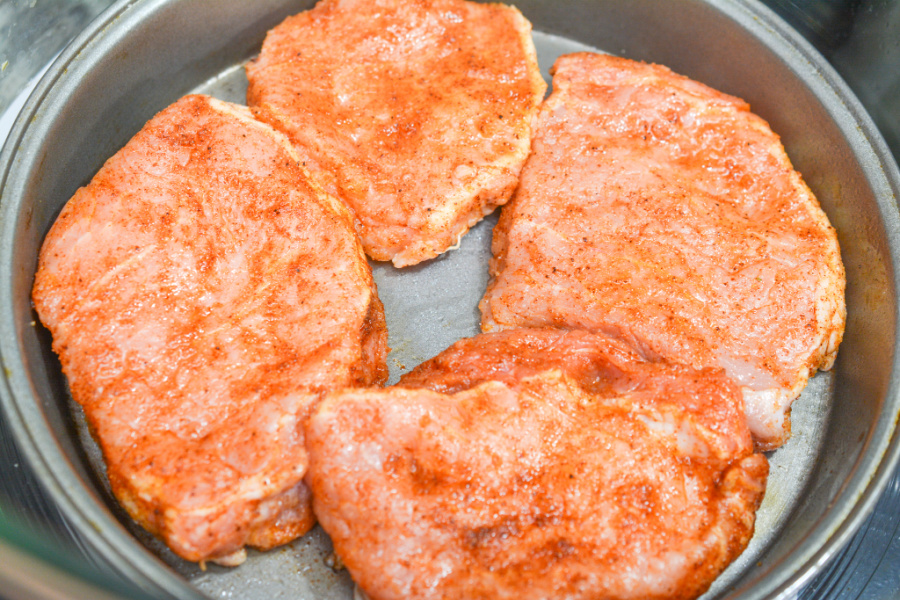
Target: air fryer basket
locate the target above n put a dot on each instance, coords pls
(143, 54)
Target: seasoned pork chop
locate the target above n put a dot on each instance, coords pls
(659, 210)
(551, 465)
(416, 113)
(202, 293)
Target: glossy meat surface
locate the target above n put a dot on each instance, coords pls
(416, 113)
(659, 210)
(590, 473)
(202, 294)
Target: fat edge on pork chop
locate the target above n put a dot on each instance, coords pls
(202, 293)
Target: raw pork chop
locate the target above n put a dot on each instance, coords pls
(417, 113)
(202, 294)
(556, 465)
(659, 210)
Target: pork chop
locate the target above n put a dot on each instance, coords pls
(416, 113)
(202, 294)
(664, 212)
(558, 465)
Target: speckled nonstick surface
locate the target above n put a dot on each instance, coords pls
(142, 55)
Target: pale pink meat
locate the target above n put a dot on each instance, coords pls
(550, 464)
(202, 294)
(664, 212)
(416, 113)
